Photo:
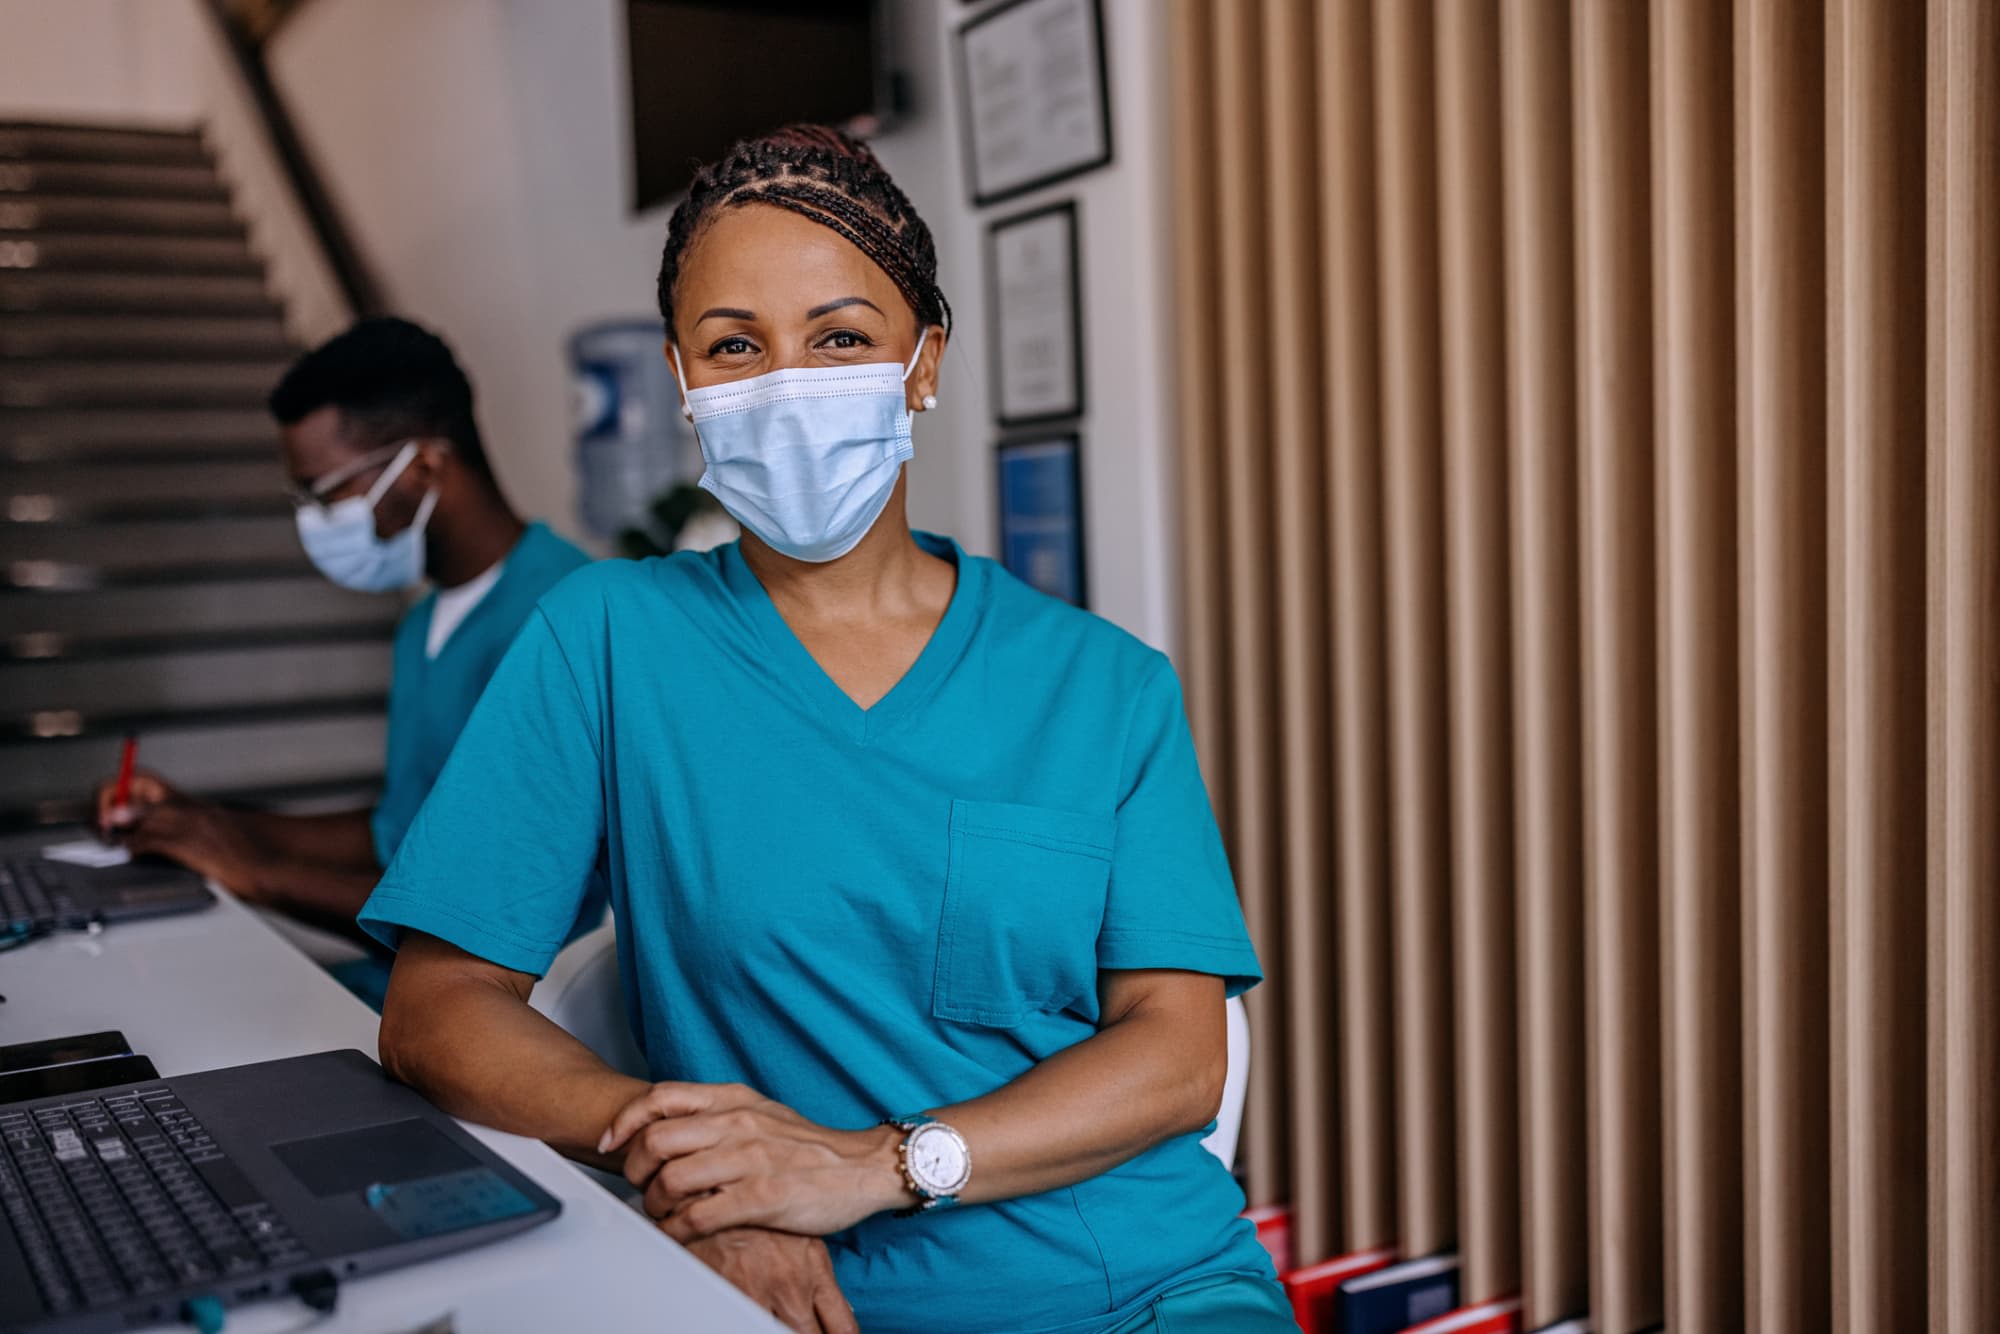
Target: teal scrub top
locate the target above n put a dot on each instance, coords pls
(430, 698)
(861, 913)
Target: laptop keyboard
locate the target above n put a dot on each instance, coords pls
(33, 899)
(127, 1196)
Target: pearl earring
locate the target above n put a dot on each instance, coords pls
(930, 401)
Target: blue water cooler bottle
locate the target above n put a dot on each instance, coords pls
(632, 444)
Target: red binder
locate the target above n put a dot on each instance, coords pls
(1313, 1288)
(1501, 1317)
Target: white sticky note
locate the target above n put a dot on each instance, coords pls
(87, 852)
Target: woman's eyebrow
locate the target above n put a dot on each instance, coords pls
(726, 313)
(832, 306)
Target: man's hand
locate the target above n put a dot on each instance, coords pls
(201, 836)
(148, 789)
(787, 1275)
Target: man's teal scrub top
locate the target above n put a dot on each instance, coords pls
(861, 913)
(430, 698)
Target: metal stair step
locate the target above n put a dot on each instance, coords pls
(157, 336)
(40, 493)
(61, 252)
(265, 749)
(29, 435)
(32, 383)
(145, 180)
(100, 143)
(140, 293)
(36, 623)
(173, 680)
(65, 555)
(113, 213)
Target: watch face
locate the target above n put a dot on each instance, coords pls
(938, 1159)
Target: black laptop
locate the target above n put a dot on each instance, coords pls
(138, 1202)
(38, 895)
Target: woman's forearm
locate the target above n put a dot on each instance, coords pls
(461, 1031)
(1153, 1072)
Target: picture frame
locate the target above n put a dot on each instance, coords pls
(1035, 295)
(1035, 98)
(1039, 481)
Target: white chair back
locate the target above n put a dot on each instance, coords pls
(1235, 1087)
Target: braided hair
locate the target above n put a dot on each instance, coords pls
(827, 176)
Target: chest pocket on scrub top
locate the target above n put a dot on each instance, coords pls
(1023, 900)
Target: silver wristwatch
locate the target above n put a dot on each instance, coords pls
(936, 1162)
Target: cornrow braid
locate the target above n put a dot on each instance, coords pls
(819, 173)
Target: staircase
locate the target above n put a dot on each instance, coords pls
(150, 578)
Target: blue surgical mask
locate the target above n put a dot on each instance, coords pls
(807, 458)
(340, 538)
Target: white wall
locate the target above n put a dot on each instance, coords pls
(477, 148)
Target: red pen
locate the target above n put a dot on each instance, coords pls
(124, 791)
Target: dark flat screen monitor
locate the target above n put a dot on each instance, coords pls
(706, 73)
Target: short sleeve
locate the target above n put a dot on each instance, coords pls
(1172, 902)
(501, 856)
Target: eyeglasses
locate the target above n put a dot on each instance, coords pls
(317, 491)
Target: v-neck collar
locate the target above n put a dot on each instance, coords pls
(795, 663)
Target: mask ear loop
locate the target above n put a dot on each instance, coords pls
(911, 368)
(681, 384)
(403, 459)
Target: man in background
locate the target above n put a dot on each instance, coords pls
(392, 487)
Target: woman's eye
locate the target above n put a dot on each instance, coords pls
(843, 340)
(731, 347)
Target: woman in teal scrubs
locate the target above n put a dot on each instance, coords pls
(924, 918)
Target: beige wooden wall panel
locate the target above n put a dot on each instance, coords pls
(1784, 665)
(1970, 444)
(1298, 495)
(1879, 1224)
(1695, 390)
(1245, 445)
(1413, 546)
(1204, 644)
(1346, 91)
(1547, 775)
(1620, 761)
(1935, 69)
(1478, 675)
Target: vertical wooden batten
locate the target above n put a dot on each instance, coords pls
(1413, 544)
(1203, 642)
(1354, 489)
(1784, 666)
(1298, 495)
(1547, 776)
(1970, 518)
(1478, 691)
(1620, 761)
(1695, 392)
(1245, 443)
(1879, 1264)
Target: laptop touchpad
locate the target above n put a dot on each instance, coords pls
(350, 1161)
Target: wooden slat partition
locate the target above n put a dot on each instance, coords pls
(1427, 1166)
(1345, 38)
(1548, 771)
(1695, 393)
(1592, 514)
(1621, 902)
(1291, 229)
(1475, 540)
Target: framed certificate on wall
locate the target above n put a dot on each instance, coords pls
(1033, 95)
(1037, 302)
(1041, 514)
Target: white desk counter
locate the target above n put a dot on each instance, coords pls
(219, 988)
